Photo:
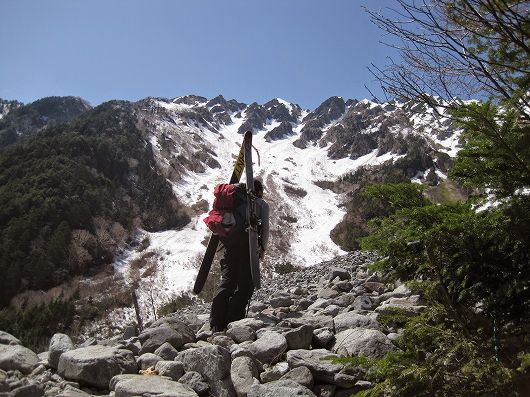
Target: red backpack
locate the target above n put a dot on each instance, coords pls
(229, 209)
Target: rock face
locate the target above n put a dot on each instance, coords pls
(284, 388)
(280, 350)
(176, 335)
(59, 344)
(139, 385)
(269, 347)
(96, 365)
(362, 342)
(16, 357)
(212, 362)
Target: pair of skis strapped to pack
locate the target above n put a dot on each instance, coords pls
(244, 161)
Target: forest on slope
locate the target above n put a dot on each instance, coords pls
(73, 192)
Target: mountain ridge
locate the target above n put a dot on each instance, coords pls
(312, 162)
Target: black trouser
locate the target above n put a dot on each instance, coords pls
(236, 287)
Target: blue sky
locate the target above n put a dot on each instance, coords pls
(303, 51)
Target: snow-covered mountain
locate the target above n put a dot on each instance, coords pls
(303, 158)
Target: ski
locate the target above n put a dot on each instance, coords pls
(213, 242)
(252, 219)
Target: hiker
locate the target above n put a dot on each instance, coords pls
(236, 287)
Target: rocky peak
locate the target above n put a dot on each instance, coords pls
(27, 120)
(7, 106)
(280, 111)
(219, 103)
(330, 110)
(190, 100)
(256, 117)
(284, 130)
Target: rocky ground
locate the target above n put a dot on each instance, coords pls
(330, 309)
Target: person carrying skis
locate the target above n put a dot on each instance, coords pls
(236, 287)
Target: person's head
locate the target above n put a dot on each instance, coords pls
(258, 188)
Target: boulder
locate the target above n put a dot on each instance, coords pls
(196, 382)
(362, 342)
(222, 388)
(148, 360)
(70, 391)
(299, 338)
(363, 302)
(339, 272)
(281, 301)
(8, 339)
(323, 371)
(322, 338)
(320, 303)
(269, 347)
(243, 373)
(167, 352)
(411, 305)
(212, 362)
(350, 320)
(140, 385)
(275, 372)
(327, 293)
(324, 390)
(373, 286)
(241, 334)
(222, 340)
(283, 388)
(301, 375)
(96, 365)
(176, 335)
(17, 357)
(171, 369)
(313, 321)
(253, 323)
(27, 389)
(59, 344)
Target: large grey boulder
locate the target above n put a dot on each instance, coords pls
(339, 272)
(411, 305)
(8, 339)
(322, 338)
(176, 335)
(362, 342)
(152, 386)
(171, 369)
(313, 321)
(275, 372)
(70, 391)
(269, 347)
(195, 380)
(96, 365)
(16, 357)
(243, 373)
(283, 388)
(299, 338)
(148, 360)
(323, 371)
(222, 387)
(241, 333)
(253, 323)
(167, 352)
(350, 320)
(213, 362)
(301, 375)
(59, 344)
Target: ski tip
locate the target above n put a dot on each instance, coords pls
(248, 134)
